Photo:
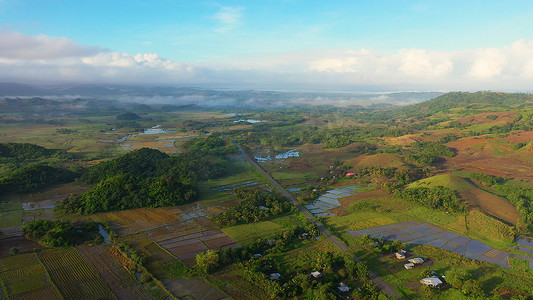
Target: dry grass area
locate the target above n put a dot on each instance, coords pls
(491, 204)
(493, 157)
(481, 119)
(381, 159)
(403, 140)
(128, 222)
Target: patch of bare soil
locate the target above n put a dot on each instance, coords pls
(21, 243)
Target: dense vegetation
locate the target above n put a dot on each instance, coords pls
(471, 102)
(253, 206)
(331, 137)
(61, 233)
(427, 153)
(129, 116)
(34, 177)
(438, 197)
(27, 151)
(144, 178)
(28, 167)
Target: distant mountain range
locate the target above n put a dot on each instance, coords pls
(209, 98)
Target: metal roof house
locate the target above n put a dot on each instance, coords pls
(431, 281)
(416, 260)
(275, 276)
(399, 255)
(409, 266)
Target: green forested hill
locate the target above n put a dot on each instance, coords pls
(472, 101)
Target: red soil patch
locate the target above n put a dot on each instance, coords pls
(506, 148)
(522, 137)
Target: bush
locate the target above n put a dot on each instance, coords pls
(13, 251)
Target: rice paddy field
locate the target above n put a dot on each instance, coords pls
(25, 277)
(73, 275)
(122, 283)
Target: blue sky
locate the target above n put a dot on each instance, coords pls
(205, 42)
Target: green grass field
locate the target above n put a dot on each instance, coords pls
(22, 274)
(247, 233)
(239, 171)
(450, 181)
(10, 214)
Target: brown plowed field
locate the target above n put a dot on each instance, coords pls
(187, 238)
(22, 243)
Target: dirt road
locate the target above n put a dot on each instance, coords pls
(386, 288)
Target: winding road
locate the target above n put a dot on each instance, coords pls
(386, 288)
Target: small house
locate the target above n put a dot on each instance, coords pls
(263, 208)
(350, 174)
(274, 276)
(343, 287)
(416, 260)
(316, 274)
(409, 266)
(431, 281)
(399, 255)
(402, 251)
(304, 236)
(257, 256)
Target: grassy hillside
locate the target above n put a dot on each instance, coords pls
(473, 101)
(476, 196)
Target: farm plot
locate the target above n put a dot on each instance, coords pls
(74, 277)
(24, 277)
(136, 220)
(156, 257)
(10, 215)
(122, 283)
(13, 239)
(188, 238)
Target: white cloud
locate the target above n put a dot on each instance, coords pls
(488, 63)
(229, 18)
(424, 64)
(43, 58)
(18, 46)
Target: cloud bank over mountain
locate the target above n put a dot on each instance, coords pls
(41, 58)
